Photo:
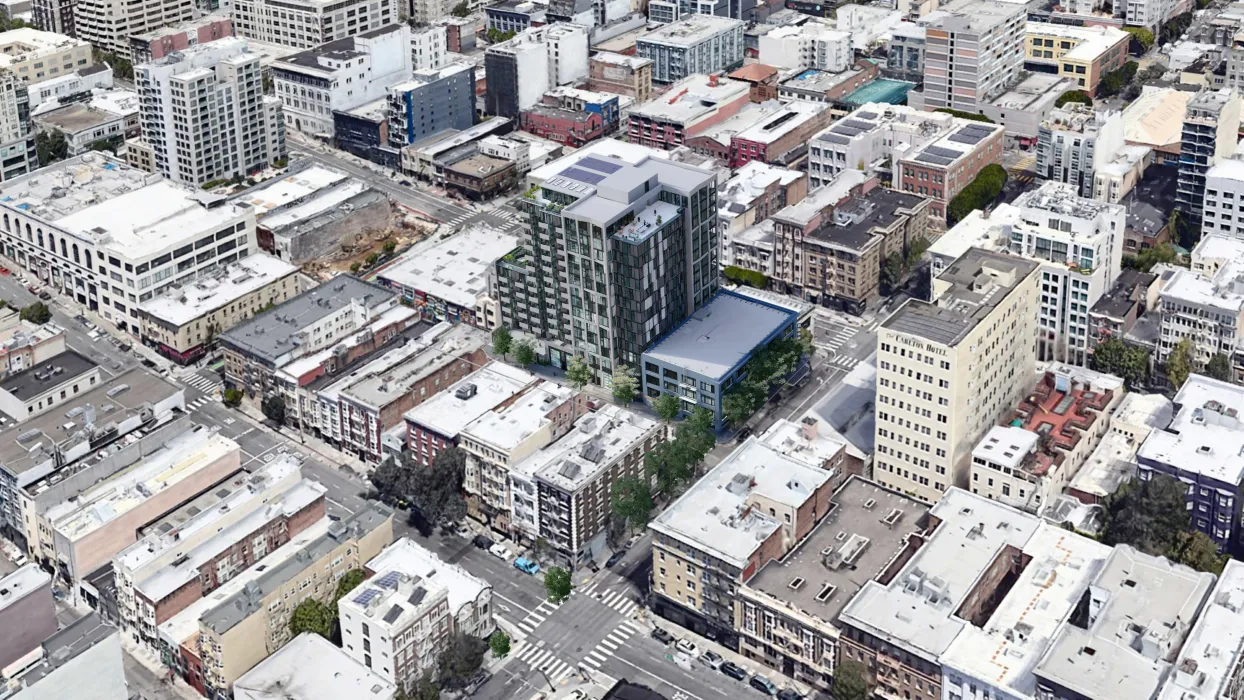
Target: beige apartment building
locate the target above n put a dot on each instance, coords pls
(948, 370)
(35, 56)
(501, 438)
(183, 322)
(245, 628)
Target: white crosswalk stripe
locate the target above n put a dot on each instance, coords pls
(203, 384)
(619, 602)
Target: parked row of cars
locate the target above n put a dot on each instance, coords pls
(715, 661)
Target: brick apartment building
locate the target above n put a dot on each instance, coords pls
(940, 170)
(688, 108)
(782, 138)
(564, 126)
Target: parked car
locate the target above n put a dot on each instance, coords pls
(733, 670)
(500, 551)
(45, 295)
(687, 647)
(527, 566)
(744, 433)
(763, 684)
(405, 183)
(614, 558)
(711, 659)
(5, 271)
(662, 636)
(788, 694)
(33, 289)
(481, 542)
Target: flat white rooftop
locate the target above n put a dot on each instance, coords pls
(1206, 666)
(310, 667)
(716, 514)
(301, 195)
(410, 558)
(454, 269)
(916, 611)
(1006, 445)
(692, 30)
(793, 115)
(219, 289)
(1092, 41)
(807, 441)
(975, 231)
(508, 427)
(596, 441)
(1206, 436)
(456, 407)
(181, 458)
(720, 336)
(692, 99)
(22, 583)
(1006, 648)
(128, 211)
(630, 153)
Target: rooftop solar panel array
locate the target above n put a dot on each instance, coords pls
(935, 160)
(600, 166)
(394, 613)
(867, 115)
(857, 124)
(389, 580)
(583, 175)
(835, 138)
(366, 596)
(943, 152)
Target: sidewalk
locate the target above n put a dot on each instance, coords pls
(148, 660)
(330, 454)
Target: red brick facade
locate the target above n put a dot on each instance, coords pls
(942, 183)
(563, 125)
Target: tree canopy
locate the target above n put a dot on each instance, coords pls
(740, 275)
(850, 682)
(1127, 362)
(499, 643)
(462, 9)
(502, 341)
(965, 115)
(1179, 363)
(625, 385)
(667, 407)
(524, 353)
(1219, 367)
(1147, 258)
(1143, 36)
(578, 374)
(437, 490)
(273, 407)
(37, 313)
(558, 584)
(630, 499)
(979, 194)
(767, 366)
(1076, 96)
(1151, 515)
(459, 660)
(673, 463)
(312, 616)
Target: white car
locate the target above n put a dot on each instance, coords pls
(499, 551)
(687, 648)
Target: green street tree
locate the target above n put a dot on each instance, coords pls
(1198, 551)
(462, 9)
(891, 274)
(502, 341)
(524, 353)
(437, 490)
(850, 682)
(311, 616)
(499, 643)
(1179, 363)
(739, 403)
(273, 407)
(578, 374)
(1219, 367)
(349, 582)
(37, 313)
(1149, 515)
(1128, 362)
(625, 385)
(232, 398)
(391, 479)
(631, 501)
(459, 660)
(558, 584)
(667, 407)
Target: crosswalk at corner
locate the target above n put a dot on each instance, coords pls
(617, 600)
(204, 384)
(540, 659)
(609, 645)
(535, 617)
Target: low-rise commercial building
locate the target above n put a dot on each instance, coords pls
(787, 612)
(696, 44)
(870, 136)
(707, 354)
(27, 613)
(160, 42)
(83, 126)
(1028, 462)
(1155, 119)
(89, 532)
(87, 651)
(694, 105)
(442, 284)
(1085, 54)
(833, 88)
(47, 385)
(1023, 107)
(621, 74)
(947, 371)
(749, 510)
(756, 192)
(57, 443)
(782, 138)
(830, 248)
(480, 177)
(183, 322)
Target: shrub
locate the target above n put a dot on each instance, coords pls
(751, 278)
(979, 194)
(966, 115)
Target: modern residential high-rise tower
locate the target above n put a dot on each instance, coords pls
(1210, 133)
(619, 253)
(973, 53)
(109, 24)
(17, 135)
(305, 24)
(204, 115)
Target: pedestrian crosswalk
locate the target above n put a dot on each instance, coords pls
(609, 645)
(617, 600)
(457, 220)
(535, 617)
(847, 363)
(836, 336)
(207, 385)
(199, 402)
(544, 660)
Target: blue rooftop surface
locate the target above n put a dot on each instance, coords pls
(721, 335)
(881, 90)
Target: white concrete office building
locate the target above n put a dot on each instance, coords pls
(693, 45)
(305, 24)
(974, 52)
